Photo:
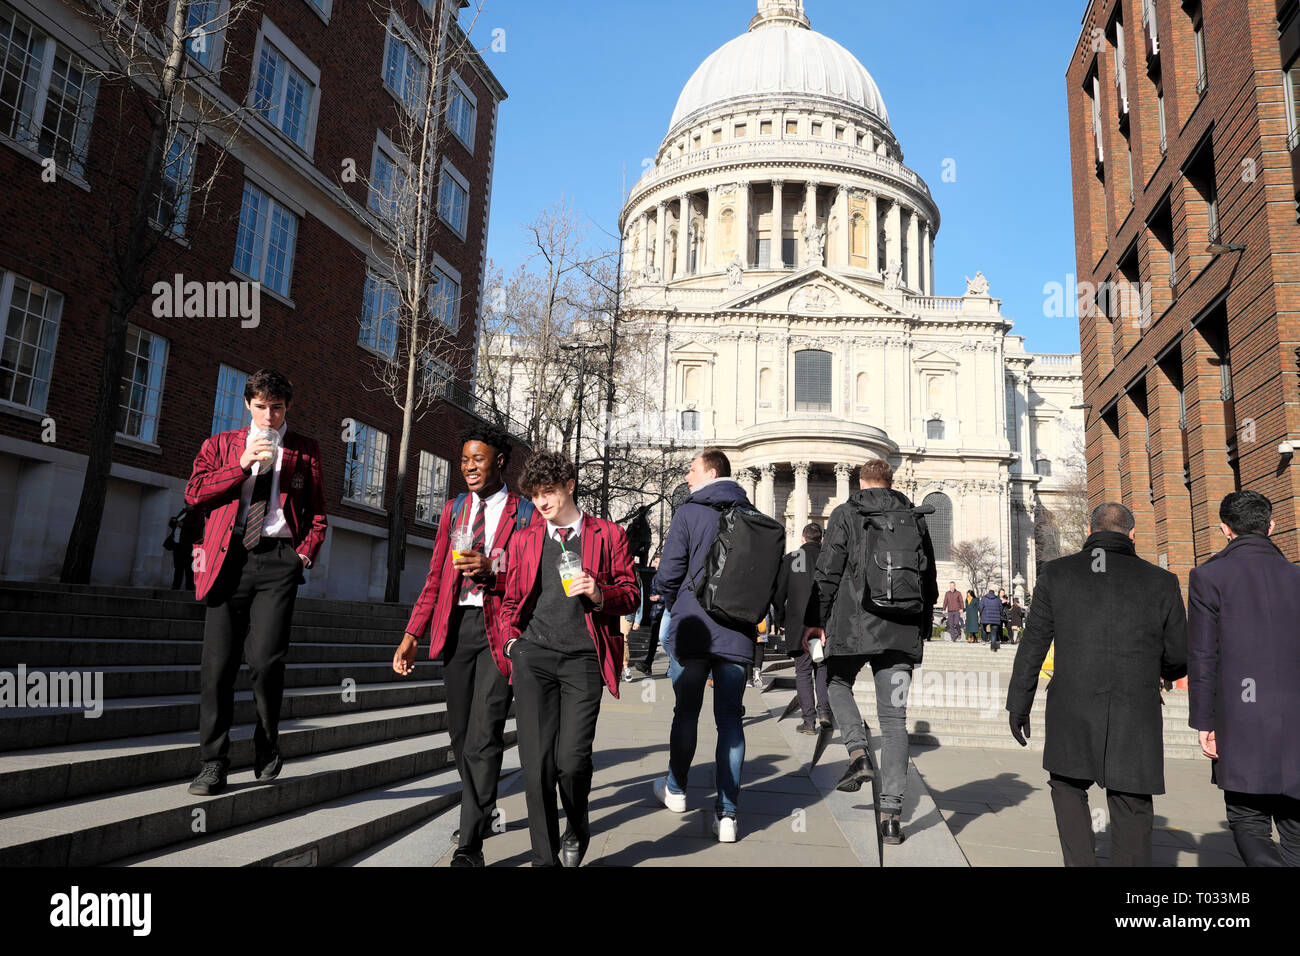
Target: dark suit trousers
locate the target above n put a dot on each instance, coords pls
(1251, 817)
(478, 702)
(557, 702)
(249, 611)
(810, 682)
(1132, 816)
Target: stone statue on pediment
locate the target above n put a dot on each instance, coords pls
(814, 238)
(894, 274)
(978, 285)
(735, 271)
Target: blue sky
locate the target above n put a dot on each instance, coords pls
(592, 85)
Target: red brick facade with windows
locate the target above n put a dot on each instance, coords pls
(54, 234)
(1226, 330)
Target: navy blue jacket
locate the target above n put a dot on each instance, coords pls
(692, 632)
(1243, 664)
(990, 609)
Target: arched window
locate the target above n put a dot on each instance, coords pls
(940, 524)
(1044, 467)
(862, 390)
(934, 429)
(812, 381)
(690, 421)
(691, 383)
(765, 385)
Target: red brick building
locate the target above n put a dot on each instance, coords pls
(1183, 139)
(323, 81)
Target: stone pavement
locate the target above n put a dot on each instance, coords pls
(998, 806)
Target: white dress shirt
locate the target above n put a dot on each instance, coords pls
(575, 529)
(495, 504)
(276, 526)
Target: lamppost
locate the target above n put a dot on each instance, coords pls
(582, 382)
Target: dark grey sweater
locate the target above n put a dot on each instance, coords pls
(558, 621)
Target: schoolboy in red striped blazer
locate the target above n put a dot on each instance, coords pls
(564, 643)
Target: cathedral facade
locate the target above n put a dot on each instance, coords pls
(780, 256)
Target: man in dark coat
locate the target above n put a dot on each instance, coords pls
(798, 607)
(855, 636)
(1103, 705)
(991, 618)
(1243, 662)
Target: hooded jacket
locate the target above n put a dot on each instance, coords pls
(692, 632)
(851, 628)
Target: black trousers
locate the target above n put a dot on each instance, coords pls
(557, 701)
(1252, 816)
(1132, 816)
(478, 703)
(810, 683)
(656, 621)
(249, 611)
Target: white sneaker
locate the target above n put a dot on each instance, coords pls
(726, 829)
(627, 675)
(675, 802)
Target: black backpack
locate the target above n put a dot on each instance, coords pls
(738, 579)
(893, 561)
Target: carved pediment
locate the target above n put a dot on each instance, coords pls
(813, 291)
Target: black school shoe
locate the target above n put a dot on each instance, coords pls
(267, 766)
(466, 858)
(858, 773)
(807, 728)
(211, 779)
(890, 830)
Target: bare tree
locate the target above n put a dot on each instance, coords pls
(979, 559)
(409, 303)
(154, 188)
(1063, 516)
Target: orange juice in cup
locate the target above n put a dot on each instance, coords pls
(461, 540)
(569, 565)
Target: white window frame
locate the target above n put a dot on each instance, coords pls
(1292, 125)
(397, 31)
(186, 187)
(26, 137)
(53, 320)
(457, 85)
(241, 409)
(401, 165)
(449, 170)
(216, 38)
(148, 417)
(270, 33)
(322, 8)
(442, 266)
(372, 449)
(263, 237)
(433, 480)
(382, 284)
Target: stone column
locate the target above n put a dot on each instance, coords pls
(645, 238)
(800, 500)
(845, 252)
(809, 216)
(842, 470)
(873, 228)
(742, 225)
(747, 479)
(661, 242)
(913, 251)
(709, 260)
(683, 234)
(927, 283)
(777, 232)
(767, 489)
(893, 234)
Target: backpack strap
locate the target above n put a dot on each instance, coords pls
(458, 508)
(523, 514)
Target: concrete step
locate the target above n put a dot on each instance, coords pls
(58, 624)
(326, 835)
(168, 679)
(53, 774)
(143, 716)
(97, 830)
(109, 652)
(67, 595)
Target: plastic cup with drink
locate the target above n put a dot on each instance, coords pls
(461, 541)
(569, 565)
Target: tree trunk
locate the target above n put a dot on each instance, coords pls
(397, 514)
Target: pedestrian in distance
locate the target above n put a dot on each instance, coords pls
(798, 607)
(1243, 664)
(876, 582)
(991, 618)
(1104, 723)
(1015, 620)
(954, 609)
(972, 617)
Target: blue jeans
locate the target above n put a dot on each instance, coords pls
(688, 679)
(663, 640)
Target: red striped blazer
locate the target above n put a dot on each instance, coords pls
(607, 558)
(214, 488)
(441, 591)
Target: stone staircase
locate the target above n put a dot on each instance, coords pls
(367, 753)
(958, 699)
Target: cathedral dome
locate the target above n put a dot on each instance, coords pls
(779, 55)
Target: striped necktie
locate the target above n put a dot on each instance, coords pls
(468, 585)
(255, 520)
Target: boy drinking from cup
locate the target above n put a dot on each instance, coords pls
(570, 580)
